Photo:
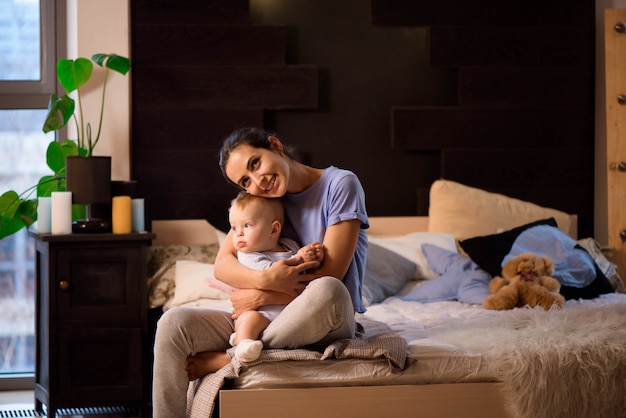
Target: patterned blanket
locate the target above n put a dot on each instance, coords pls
(373, 340)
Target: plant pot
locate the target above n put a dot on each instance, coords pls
(89, 179)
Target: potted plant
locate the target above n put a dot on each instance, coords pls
(20, 210)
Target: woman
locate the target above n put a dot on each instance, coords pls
(325, 205)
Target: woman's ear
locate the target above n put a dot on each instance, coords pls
(275, 144)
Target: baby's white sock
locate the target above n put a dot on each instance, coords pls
(249, 350)
(231, 340)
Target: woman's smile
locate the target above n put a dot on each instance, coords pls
(271, 184)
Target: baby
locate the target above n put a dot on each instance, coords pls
(256, 223)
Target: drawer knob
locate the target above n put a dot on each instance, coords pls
(64, 285)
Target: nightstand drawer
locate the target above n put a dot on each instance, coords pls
(98, 284)
(101, 363)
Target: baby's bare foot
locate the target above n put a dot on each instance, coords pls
(204, 363)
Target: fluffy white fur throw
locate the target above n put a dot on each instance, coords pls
(560, 363)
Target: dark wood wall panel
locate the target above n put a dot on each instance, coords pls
(524, 120)
(506, 167)
(497, 46)
(434, 128)
(202, 45)
(552, 87)
(198, 176)
(166, 128)
(514, 115)
(479, 12)
(190, 12)
(292, 87)
(201, 69)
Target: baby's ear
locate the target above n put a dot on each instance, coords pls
(276, 228)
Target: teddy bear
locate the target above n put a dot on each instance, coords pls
(525, 281)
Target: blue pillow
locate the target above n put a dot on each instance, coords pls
(573, 266)
(386, 273)
(460, 278)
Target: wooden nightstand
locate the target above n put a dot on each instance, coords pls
(91, 330)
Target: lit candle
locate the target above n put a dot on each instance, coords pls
(44, 215)
(137, 209)
(61, 213)
(121, 214)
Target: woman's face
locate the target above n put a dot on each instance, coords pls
(259, 171)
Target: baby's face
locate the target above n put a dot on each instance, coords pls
(252, 229)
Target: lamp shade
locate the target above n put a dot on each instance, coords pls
(89, 179)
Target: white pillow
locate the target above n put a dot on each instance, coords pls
(193, 280)
(221, 236)
(468, 212)
(410, 246)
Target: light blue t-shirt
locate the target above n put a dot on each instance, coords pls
(337, 196)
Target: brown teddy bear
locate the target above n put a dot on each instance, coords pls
(526, 281)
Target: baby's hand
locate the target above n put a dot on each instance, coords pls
(312, 252)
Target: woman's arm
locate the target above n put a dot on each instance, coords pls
(282, 276)
(340, 242)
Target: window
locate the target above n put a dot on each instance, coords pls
(28, 52)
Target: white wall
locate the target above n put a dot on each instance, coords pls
(103, 26)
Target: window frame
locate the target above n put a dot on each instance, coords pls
(35, 94)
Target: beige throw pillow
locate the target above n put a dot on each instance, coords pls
(468, 212)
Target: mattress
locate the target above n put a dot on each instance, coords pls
(449, 342)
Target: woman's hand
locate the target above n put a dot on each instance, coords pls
(285, 276)
(246, 300)
(251, 299)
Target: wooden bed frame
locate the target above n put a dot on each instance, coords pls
(470, 400)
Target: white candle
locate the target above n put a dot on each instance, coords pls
(44, 215)
(61, 210)
(121, 215)
(137, 209)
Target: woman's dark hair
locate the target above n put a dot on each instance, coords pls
(253, 137)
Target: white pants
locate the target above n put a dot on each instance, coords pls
(322, 314)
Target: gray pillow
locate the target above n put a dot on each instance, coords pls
(386, 273)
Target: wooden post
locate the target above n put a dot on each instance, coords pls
(615, 72)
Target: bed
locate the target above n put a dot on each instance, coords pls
(460, 359)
